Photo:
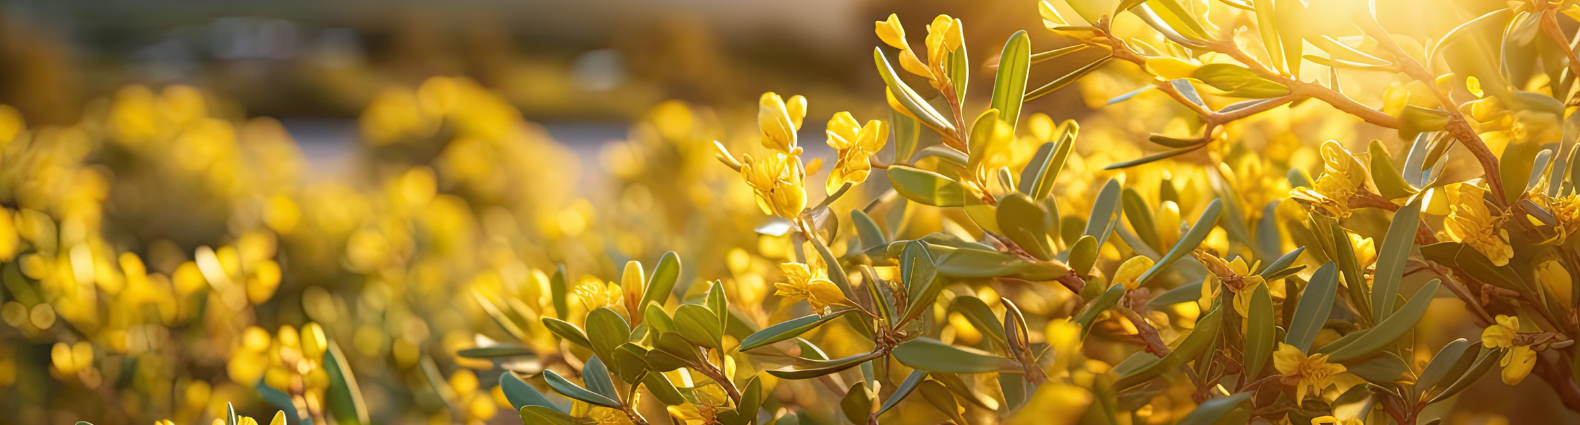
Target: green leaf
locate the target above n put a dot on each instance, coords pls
(1025, 222)
(1443, 364)
(982, 318)
(867, 230)
(1210, 411)
(698, 325)
(629, 362)
(919, 274)
(1104, 302)
(1009, 86)
(497, 351)
(1282, 263)
(1048, 55)
(557, 292)
(569, 389)
(751, 399)
(280, 400)
(1316, 302)
(344, 396)
(539, 415)
(909, 384)
(926, 187)
(1391, 258)
(941, 399)
(1237, 81)
(935, 356)
(663, 389)
(522, 395)
(719, 305)
(1155, 157)
(1486, 360)
(595, 374)
(857, 404)
(1101, 220)
(1044, 168)
(815, 368)
(658, 322)
(566, 331)
(607, 330)
(1140, 218)
(1390, 181)
(984, 133)
(1188, 242)
(1388, 330)
(1259, 332)
(788, 329)
(1066, 79)
(907, 97)
(1083, 255)
(1197, 342)
(907, 132)
(663, 279)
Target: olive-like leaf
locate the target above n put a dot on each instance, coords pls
(1049, 162)
(1390, 181)
(907, 97)
(785, 330)
(698, 325)
(816, 368)
(1025, 222)
(1211, 411)
(1387, 330)
(1391, 257)
(926, 187)
(522, 395)
(1442, 364)
(344, 397)
(570, 389)
(857, 404)
(663, 389)
(981, 317)
(663, 279)
(1316, 302)
(935, 356)
(909, 384)
(920, 275)
(280, 400)
(1009, 85)
(606, 330)
(539, 415)
(1259, 331)
(566, 331)
(1104, 302)
(1188, 242)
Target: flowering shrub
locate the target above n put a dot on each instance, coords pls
(967, 259)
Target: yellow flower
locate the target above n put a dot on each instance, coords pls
(777, 182)
(1308, 373)
(944, 36)
(1131, 270)
(594, 293)
(1501, 335)
(1556, 279)
(1469, 222)
(1342, 176)
(1567, 212)
(778, 121)
(854, 144)
(1365, 250)
(1330, 420)
(1050, 16)
(809, 282)
(1517, 363)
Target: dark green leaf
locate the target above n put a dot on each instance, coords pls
(569, 389)
(788, 329)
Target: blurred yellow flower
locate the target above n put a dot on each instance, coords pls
(1308, 374)
(1342, 177)
(1556, 278)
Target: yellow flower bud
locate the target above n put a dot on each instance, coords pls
(1556, 279)
(776, 125)
(1131, 270)
(314, 343)
(891, 32)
